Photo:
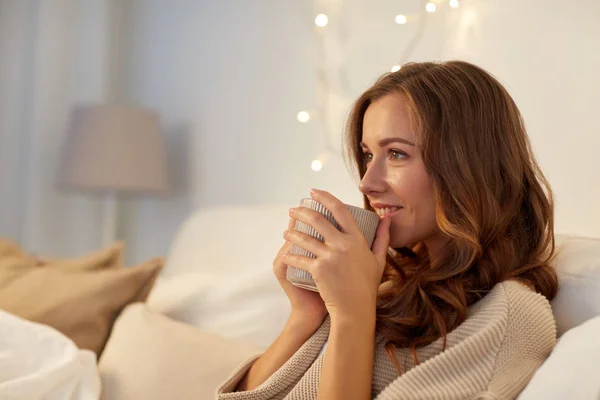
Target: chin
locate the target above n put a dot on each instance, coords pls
(399, 240)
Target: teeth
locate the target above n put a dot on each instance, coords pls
(384, 211)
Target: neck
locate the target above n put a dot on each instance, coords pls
(434, 246)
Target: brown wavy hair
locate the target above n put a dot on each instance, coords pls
(492, 201)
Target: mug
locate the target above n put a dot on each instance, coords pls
(366, 220)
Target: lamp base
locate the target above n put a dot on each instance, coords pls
(109, 218)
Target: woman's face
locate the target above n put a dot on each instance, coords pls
(396, 182)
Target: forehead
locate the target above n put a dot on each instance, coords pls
(387, 117)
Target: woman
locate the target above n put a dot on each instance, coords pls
(451, 301)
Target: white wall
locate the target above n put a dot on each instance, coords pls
(228, 79)
(54, 54)
(548, 55)
(229, 76)
(14, 64)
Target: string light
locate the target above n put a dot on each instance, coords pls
(321, 20)
(401, 19)
(303, 116)
(331, 78)
(316, 165)
(453, 3)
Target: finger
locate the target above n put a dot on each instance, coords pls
(382, 240)
(339, 210)
(305, 241)
(315, 220)
(287, 244)
(279, 265)
(297, 261)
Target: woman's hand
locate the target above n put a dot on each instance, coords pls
(346, 271)
(308, 309)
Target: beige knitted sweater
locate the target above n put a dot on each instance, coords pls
(492, 355)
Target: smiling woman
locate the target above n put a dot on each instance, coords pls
(476, 208)
(451, 301)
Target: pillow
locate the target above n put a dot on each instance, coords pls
(152, 357)
(9, 248)
(109, 257)
(103, 258)
(571, 370)
(578, 267)
(204, 239)
(38, 362)
(249, 305)
(80, 298)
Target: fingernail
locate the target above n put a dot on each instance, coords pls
(284, 255)
(292, 211)
(313, 191)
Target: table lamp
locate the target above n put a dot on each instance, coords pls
(110, 151)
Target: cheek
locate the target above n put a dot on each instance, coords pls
(423, 201)
(413, 188)
(426, 215)
(418, 221)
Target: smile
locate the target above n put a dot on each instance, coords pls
(387, 212)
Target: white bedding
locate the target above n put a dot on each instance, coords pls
(39, 363)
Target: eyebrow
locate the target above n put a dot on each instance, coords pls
(385, 142)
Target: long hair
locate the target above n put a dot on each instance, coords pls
(492, 201)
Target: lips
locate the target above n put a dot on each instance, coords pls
(384, 210)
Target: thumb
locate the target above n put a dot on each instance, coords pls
(382, 240)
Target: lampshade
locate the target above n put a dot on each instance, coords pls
(114, 148)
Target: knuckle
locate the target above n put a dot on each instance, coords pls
(317, 269)
(344, 246)
(312, 217)
(284, 249)
(338, 207)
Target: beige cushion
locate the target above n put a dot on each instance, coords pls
(109, 257)
(9, 248)
(151, 357)
(79, 297)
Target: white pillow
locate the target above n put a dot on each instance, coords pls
(149, 356)
(578, 268)
(572, 371)
(39, 362)
(249, 305)
(205, 239)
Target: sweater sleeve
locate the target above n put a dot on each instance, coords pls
(494, 363)
(530, 338)
(278, 385)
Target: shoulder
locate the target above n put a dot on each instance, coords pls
(529, 337)
(513, 314)
(492, 354)
(523, 305)
(514, 300)
(530, 317)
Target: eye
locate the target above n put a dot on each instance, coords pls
(367, 157)
(397, 154)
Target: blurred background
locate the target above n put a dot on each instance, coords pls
(247, 101)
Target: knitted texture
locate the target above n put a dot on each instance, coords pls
(492, 355)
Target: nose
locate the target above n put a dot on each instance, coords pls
(373, 181)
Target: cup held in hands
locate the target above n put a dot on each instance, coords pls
(367, 222)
